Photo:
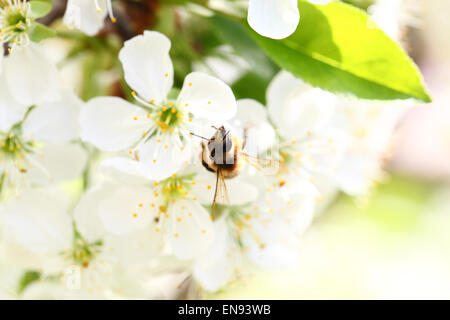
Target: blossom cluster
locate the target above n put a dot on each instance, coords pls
(109, 198)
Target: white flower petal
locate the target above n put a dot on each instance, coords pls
(214, 269)
(11, 111)
(252, 118)
(112, 124)
(273, 255)
(275, 19)
(239, 192)
(147, 65)
(56, 163)
(137, 247)
(251, 112)
(83, 15)
(162, 159)
(129, 209)
(39, 221)
(278, 92)
(123, 169)
(301, 110)
(54, 122)
(86, 216)
(207, 97)
(30, 76)
(358, 172)
(190, 228)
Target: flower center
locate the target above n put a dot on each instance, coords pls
(83, 252)
(169, 117)
(176, 187)
(11, 145)
(240, 220)
(15, 22)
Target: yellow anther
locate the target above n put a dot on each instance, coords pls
(141, 205)
(133, 93)
(176, 235)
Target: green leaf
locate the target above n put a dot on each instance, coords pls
(338, 48)
(251, 86)
(40, 8)
(28, 278)
(41, 32)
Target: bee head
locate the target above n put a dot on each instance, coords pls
(220, 141)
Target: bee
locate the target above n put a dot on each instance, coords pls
(223, 155)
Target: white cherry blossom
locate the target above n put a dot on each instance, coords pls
(264, 233)
(295, 129)
(370, 126)
(88, 15)
(38, 150)
(40, 224)
(169, 212)
(156, 133)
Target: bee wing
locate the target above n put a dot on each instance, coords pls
(266, 166)
(221, 192)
